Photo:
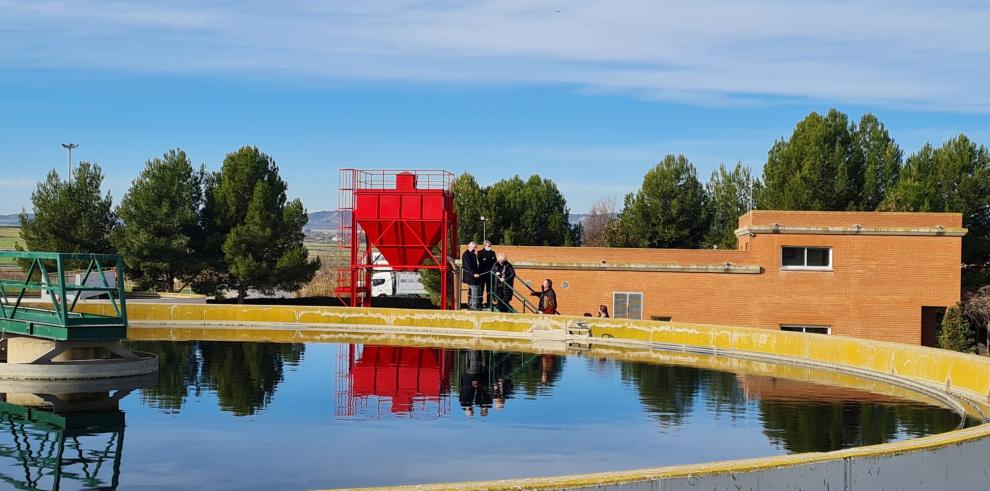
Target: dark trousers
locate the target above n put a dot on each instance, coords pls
(487, 289)
(506, 297)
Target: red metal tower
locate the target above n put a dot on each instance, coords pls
(407, 215)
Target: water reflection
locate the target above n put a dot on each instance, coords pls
(372, 381)
(402, 378)
(63, 434)
(342, 409)
(809, 417)
(244, 376)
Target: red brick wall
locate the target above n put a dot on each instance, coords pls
(876, 289)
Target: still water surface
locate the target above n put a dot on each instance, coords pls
(229, 415)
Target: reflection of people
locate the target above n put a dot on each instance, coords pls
(546, 366)
(473, 389)
(471, 276)
(486, 261)
(505, 276)
(473, 392)
(603, 311)
(548, 298)
(502, 389)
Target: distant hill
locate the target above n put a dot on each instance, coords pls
(575, 218)
(9, 220)
(323, 220)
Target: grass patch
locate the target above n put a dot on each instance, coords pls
(8, 237)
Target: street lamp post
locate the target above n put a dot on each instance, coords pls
(69, 147)
(484, 229)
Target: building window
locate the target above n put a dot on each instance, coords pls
(812, 258)
(806, 329)
(661, 318)
(627, 305)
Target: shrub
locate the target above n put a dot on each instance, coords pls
(955, 334)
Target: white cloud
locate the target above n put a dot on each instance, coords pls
(906, 54)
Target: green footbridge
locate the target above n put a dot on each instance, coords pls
(54, 317)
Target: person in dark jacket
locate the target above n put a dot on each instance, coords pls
(505, 276)
(471, 276)
(486, 261)
(548, 298)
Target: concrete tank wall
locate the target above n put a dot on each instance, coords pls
(953, 460)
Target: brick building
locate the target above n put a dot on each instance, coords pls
(885, 276)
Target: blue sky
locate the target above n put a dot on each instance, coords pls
(590, 94)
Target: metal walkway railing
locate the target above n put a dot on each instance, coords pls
(497, 301)
(46, 272)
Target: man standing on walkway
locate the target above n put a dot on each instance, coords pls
(471, 276)
(486, 261)
(505, 275)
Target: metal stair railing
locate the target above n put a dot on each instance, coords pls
(527, 306)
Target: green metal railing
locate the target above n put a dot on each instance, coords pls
(46, 448)
(497, 301)
(45, 273)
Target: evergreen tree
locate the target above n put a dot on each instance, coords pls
(669, 210)
(952, 178)
(70, 215)
(814, 169)
(730, 195)
(470, 205)
(160, 222)
(881, 161)
(955, 333)
(531, 212)
(254, 234)
(831, 164)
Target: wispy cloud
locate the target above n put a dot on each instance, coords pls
(902, 54)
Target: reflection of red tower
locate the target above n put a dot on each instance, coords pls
(412, 379)
(403, 214)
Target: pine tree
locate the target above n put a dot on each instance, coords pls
(253, 233)
(831, 164)
(952, 178)
(160, 226)
(70, 215)
(530, 212)
(882, 160)
(730, 195)
(669, 210)
(470, 205)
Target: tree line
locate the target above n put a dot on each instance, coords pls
(828, 163)
(229, 230)
(516, 212)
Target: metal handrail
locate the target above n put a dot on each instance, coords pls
(515, 293)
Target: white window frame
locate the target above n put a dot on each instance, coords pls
(803, 328)
(805, 268)
(642, 299)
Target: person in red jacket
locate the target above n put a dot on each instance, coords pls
(548, 298)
